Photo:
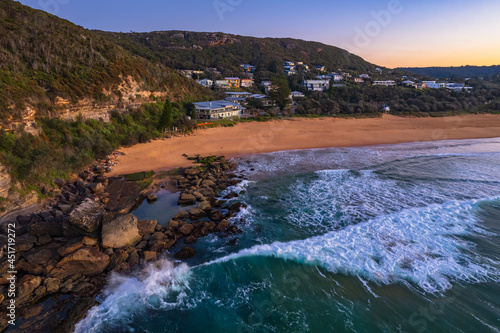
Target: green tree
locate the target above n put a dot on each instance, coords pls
(281, 92)
(167, 116)
(193, 112)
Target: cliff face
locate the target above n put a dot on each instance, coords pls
(5, 181)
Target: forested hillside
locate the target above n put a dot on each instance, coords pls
(45, 59)
(199, 50)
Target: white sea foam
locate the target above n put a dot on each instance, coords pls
(342, 197)
(424, 246)
(161, 285)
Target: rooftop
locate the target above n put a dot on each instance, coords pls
(238, 93)
(216, 105)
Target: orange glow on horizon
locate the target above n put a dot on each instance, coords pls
(420, 60)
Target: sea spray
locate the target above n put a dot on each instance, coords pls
(160, 285)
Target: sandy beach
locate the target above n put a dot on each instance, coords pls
(255, 137)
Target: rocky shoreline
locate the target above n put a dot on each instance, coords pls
(64, 253)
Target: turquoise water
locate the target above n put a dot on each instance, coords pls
(397, 238)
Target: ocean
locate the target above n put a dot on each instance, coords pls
(393, 238)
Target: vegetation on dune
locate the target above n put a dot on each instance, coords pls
(64, 147)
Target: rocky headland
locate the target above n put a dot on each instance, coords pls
(64, 253)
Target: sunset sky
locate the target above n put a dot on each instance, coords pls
(391, 33)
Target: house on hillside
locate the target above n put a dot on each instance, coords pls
(218, 110)
(358, 80)
(249, 69)
(222, 84)
(297, 94)
(334, 76)
(457, 87)
(265, 100)
(290, 70)
(238, 97)
(316, 85)
(234, 82)
(207, 83)
(420, 85)
(434, 84)
(320, 68)
(364, 76)
(408, 83)
(246, 83)
(388, 83)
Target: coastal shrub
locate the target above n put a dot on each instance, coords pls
(64, 147)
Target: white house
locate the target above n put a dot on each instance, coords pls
(246, 83)
(207, 83)
(408, 83)
(364, 76)
(388, 83)
(457, 87)
(434, 84)
(334, 76)
(358, 80)
(222, 84)
(297, 94)
(316, 85)
(218, 110)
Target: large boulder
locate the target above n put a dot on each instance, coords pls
(40, 256)
(196, 213)
(186, 229)
(88, 261)
(181, 215)
(222, 226)
(205, 206)
(147, 226)
(26, 286)
(186, 199)
(208, 183)
(97, 188)
(51, 228)
(192, 171)
(52, 285)
(185, 253)
(87, 216)
(120, 232)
